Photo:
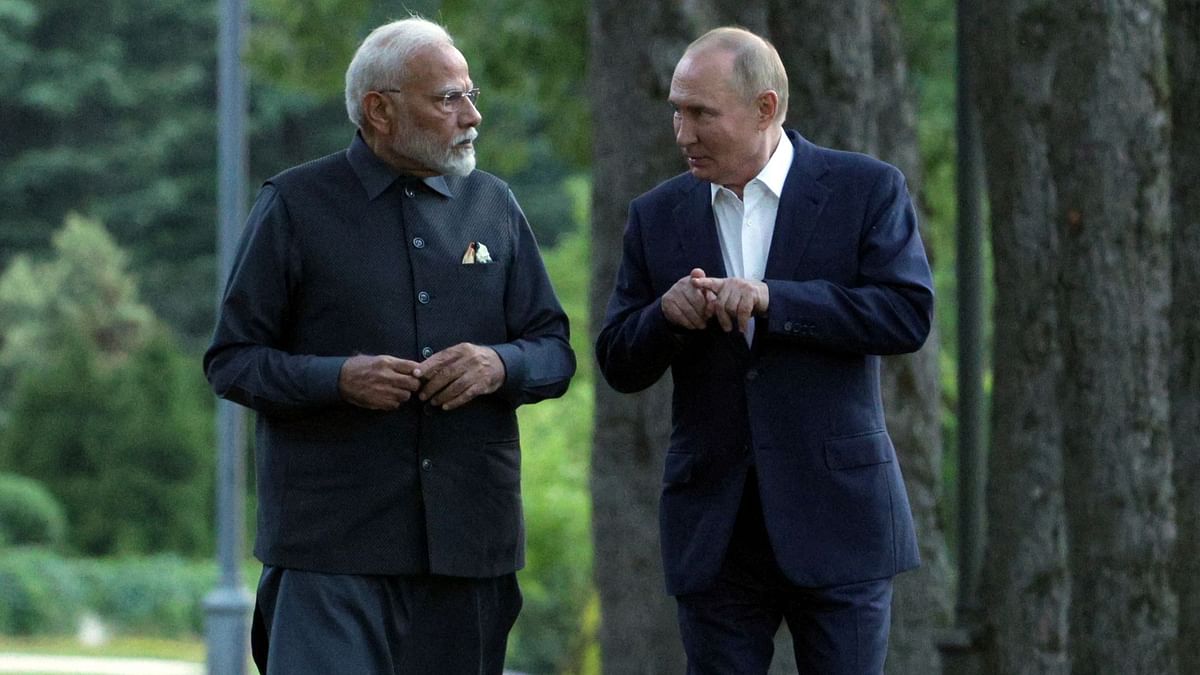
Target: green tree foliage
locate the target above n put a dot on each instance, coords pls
(531, 57)
(108, 110)
(84, 294)
(29, 514)
(551, 635)
(528, 58)
(306, 45)
(102, 406)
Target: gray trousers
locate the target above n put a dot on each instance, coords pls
(308, 622)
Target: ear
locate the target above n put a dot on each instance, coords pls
(768, 104)
(379, 112)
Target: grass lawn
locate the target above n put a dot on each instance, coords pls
(118, 647)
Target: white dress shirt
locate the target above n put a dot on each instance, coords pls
(745, 228)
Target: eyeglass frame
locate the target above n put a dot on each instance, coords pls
(451, 101)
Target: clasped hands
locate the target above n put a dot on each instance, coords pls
(449, 379)
(696, 298)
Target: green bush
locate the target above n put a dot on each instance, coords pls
(29, 514)
(99, 404)
(40, 593)
(160, 596)
(553, 633)
(132, 466)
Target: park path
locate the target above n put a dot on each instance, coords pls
(88, 665)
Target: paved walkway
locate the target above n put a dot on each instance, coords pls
(88, 665)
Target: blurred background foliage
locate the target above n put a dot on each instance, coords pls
(107, 281)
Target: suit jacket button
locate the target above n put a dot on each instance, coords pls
(418, 242)
(408, 192)
(427, 464)
(426, 352)
(423, 298)
(751, 375)
(787, 325)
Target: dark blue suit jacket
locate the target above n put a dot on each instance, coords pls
(848, 281)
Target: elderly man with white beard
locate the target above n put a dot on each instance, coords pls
(387, 313)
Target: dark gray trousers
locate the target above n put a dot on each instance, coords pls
(308, 622)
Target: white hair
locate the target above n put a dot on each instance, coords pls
(381, 61)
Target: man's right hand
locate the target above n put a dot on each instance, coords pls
(687, 306)
(378, 382)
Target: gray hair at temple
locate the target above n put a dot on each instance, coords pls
(756, 65)
(382, 59)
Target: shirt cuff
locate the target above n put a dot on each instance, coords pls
(514, 369)
(321, 375)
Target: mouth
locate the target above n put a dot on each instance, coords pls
(466, 141)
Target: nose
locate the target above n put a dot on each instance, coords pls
(468, 114)
(684, 136)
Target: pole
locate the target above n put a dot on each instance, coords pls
(961, 652)
(227, 607)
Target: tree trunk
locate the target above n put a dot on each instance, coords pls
(634, 49)
(1109, 165)
(849, 90)
(912, 390)
(1183, 45)
(633, 53)
(1025, 585)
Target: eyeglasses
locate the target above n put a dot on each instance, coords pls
(451, 102)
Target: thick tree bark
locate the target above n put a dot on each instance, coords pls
(1183, 45)
(633, 54)
(1109, 165)
(912, 390)
(1025, 585)
(849, 90)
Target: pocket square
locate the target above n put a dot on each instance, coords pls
(476, 253)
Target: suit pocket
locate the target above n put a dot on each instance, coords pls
(504, 463)
(677, 469)
(850, 452)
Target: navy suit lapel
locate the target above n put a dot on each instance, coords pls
(696, 228)
(800, 207)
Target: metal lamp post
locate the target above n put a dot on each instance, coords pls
(227, 607)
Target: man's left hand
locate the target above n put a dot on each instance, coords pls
(737, 300)
(456, 375)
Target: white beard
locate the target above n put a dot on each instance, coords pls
(428, 151)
